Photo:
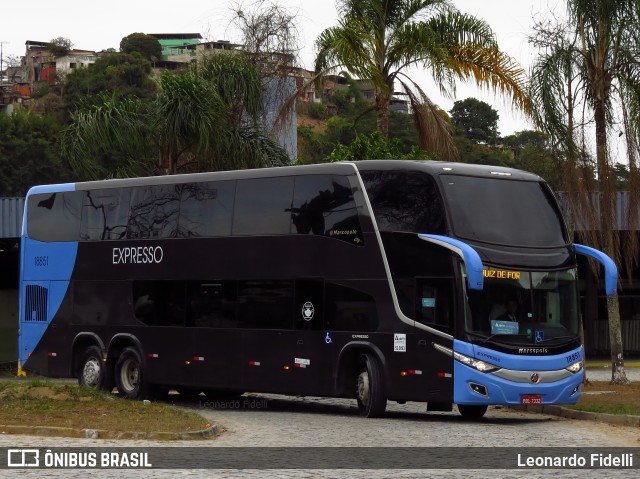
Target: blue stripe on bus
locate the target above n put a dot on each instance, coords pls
(502, 391)
(610, 269)
(52, 274)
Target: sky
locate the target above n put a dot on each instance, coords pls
(97, 25)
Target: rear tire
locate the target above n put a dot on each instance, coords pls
(472, 411)
(93, 372)
(370, 393)
(129, 375)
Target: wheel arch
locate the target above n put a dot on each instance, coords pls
(80, 343)
(348, 366)
(121, 341)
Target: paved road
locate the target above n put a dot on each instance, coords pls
(271, 420)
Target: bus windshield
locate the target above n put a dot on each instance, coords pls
(521, 307)
(503, 211)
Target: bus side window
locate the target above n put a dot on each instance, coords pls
(54, 216)
(434, 302)
(154, 212)
(104, 214)
(159, 303)
(348, 309)
(262, 206)
(265, 304)
(324, 205)
(206, 209)
(212, 304)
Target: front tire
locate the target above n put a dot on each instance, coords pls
(129, 375)
(93, 372)
(370, 393)
(472, 411)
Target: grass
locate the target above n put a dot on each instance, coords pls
(602, 397)
(47, 403)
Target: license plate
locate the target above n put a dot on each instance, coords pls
(531, 399)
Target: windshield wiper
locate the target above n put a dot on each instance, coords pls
(557, 337)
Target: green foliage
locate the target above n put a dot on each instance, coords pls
(201, 119)
(375, 146)
(59, 46)
(475, 120)
(28, 153)
(313, 147)
(122, 74)
(378, 40)
(317, 111)
(147, 46)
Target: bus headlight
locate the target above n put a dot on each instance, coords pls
(481, 366)
(575, 367)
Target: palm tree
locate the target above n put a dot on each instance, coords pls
(378, 40)
(203, 119)
(599, 54)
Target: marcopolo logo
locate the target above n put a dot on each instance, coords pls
(138, 255)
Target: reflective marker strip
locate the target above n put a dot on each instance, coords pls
(153, 355)
(52, 355)
(254, 363)
(198, 358)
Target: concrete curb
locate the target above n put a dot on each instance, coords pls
(207, 433)
(620, 420)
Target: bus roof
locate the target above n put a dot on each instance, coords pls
(341, 168)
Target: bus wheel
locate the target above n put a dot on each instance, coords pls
(129, 375)
(472, 412)
(94, 373)
(370, 388)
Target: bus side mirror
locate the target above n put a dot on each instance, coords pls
(469, 256)
(610, 269)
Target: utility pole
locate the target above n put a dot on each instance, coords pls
(1, 61)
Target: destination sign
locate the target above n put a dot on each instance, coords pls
(501, 274)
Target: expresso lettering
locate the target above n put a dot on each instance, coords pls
(138, 255)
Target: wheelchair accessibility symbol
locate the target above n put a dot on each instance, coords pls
(328, 339)
(539, 336)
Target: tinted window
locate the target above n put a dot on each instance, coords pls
(503, 211)
(324, 205)
(54, 216)
(212, 304)
(348, 309)
(265, 304)
(206, 209)
(405, 201)
(263, 206)
(159, 303)
(434, 302)
(154, 212)
(104, 214)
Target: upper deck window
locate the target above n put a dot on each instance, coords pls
(503, 211)
(405, 201)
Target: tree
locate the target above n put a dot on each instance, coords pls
(375, 147)
(592, 64)
(123, 74)
(476, 120)
(28, 153)
(147, 46)
(59, 46)
(202, 119)
(378, 40)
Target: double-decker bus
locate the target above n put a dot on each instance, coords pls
(375, 280)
